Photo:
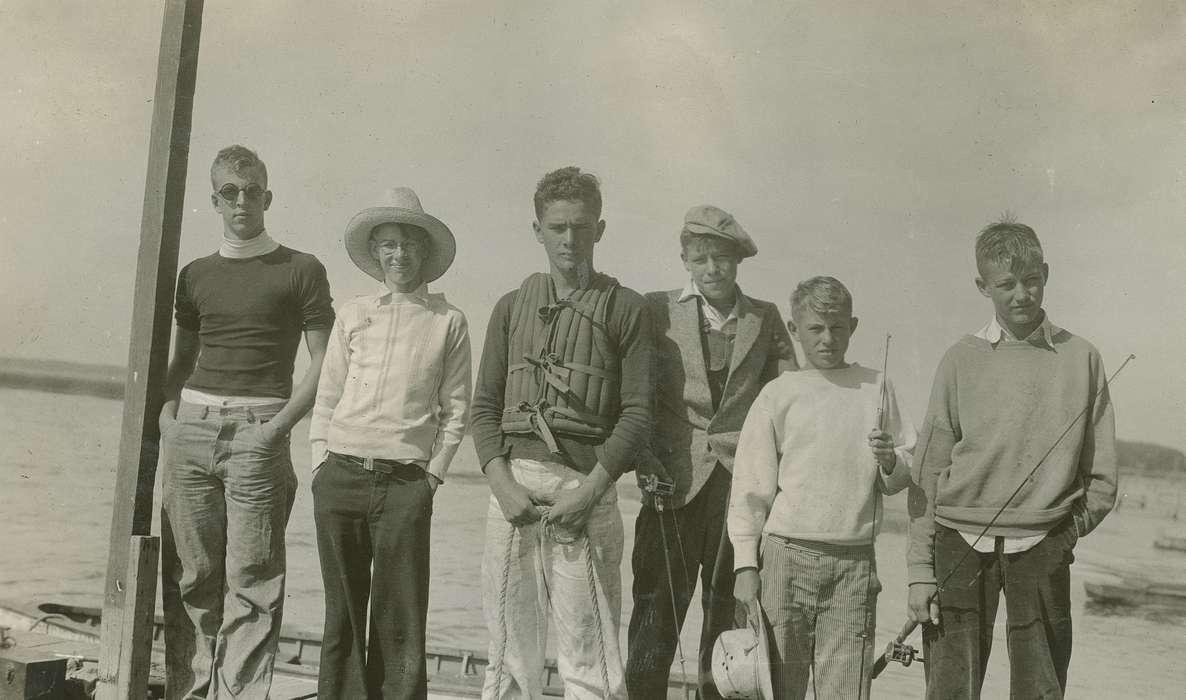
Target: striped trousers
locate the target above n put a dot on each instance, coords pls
(821, 601)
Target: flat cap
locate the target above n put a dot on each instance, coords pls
(707, 220)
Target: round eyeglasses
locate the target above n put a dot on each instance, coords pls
(230, 192)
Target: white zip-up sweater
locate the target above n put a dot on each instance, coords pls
(804, 469)
(395, 383)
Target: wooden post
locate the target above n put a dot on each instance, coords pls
(139, 613)
(148, 354)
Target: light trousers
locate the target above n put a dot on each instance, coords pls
(821, 601)
(531, 580)
(227, 497)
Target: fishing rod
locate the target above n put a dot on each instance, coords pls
(904, 653)
(881, 401)
(659, 490)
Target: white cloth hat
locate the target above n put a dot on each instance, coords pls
(741, 660)
(402, 207)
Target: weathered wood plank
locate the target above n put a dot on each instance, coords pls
(156, 270)
(136, 644)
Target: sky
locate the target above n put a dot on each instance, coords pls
(855, 139)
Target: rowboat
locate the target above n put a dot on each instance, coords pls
(452, 673)
(1137, 591)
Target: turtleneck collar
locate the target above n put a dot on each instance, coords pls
(250, 248)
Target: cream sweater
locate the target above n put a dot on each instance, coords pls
(804, 469)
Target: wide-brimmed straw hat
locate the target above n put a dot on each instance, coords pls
(402, 206)
(741, 660)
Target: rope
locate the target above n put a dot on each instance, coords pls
(502, 612)
(597, 613)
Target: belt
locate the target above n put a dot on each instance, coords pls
(381, 466)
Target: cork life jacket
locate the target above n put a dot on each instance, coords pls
(562, 368)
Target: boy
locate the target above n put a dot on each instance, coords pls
(390, 412)
(715, 349)
(226, 468)
(806, 490)
(562, 405)
(1001, 399)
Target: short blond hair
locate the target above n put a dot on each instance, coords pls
(823, 295)
(1009, 244)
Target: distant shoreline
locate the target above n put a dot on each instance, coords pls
(107, 382)
(60, 377)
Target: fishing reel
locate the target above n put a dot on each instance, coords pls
(902, 653)
(658, 488)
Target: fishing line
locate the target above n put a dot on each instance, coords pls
(1029, 477)
(881, 401)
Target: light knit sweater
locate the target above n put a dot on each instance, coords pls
(994, 412)
(804, 469)
(396, 381)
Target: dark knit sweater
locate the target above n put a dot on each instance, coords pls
(249, 314)
(629, 325)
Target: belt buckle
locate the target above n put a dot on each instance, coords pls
(369, 464)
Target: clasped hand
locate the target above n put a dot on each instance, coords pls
(881, 444)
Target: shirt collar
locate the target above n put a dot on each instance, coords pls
(1044, 334)
(386, 296)
(714, 318)
(691, 290)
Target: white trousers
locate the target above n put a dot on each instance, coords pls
(529, 579)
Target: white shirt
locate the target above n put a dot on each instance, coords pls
(395, 383)
(994, 333)
(716, 320)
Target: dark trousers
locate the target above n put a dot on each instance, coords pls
(364, 519)
(652, 634)
(1037, 587)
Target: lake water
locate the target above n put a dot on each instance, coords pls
(57, 473)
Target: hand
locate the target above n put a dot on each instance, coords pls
(433, 482)
(747, 586)
(168, 416)
(882, 445)
(649, 465)
(270, 433)
(512, 497)
(922, 603)
(569, 509)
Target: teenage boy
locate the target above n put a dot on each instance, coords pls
(561, 407)
(807, 501)
(226, 468)
(390, 412)
(715, 349)
(1002, 398)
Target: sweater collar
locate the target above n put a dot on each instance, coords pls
(1043, 335)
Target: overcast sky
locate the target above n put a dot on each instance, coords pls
(870, 141)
